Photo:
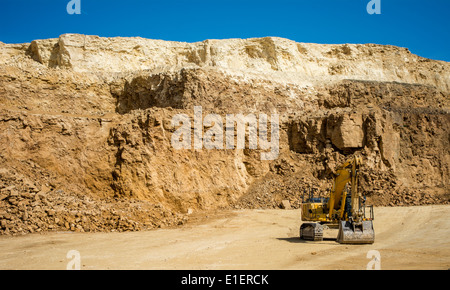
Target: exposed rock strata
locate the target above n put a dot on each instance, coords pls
(85, 125)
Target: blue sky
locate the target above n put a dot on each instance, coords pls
(421, 25)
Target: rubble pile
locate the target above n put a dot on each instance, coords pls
(26, 207)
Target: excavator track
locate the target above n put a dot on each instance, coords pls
(311, 232)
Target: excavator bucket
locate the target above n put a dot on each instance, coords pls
(356, 233)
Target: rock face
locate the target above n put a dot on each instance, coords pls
(260, 58)
(86, 125)
(346, 131)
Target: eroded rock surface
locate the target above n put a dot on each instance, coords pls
(86, 127)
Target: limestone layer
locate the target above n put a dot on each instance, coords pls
(86, 127)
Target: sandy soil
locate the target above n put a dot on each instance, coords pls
(406, 238)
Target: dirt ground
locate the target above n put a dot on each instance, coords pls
(406, 238)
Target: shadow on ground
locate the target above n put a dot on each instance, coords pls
(297, 240)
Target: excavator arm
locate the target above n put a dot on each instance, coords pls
(346, 177)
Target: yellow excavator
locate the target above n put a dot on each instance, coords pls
(344, 209)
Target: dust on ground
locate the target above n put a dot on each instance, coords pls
(406, 238)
